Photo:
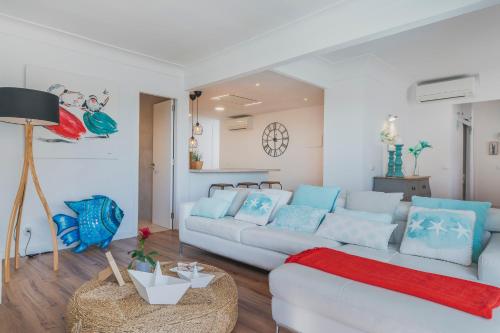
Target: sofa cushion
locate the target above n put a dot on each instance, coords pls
(239, 199)
(374, 202)
(371, 253)
(213, 208)
(489, 262)
(383, 218)
(493, 220)
(480, 208)
(316, 196)
(284, 199)
(351, 229)
(257, 208)
(226, 228)
(298, 218)
(371, 309)
(440, 234)
(284, 241)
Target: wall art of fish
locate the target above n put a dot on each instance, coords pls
(96, 223)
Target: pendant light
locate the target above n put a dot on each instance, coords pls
(193, 143)
(198, 129)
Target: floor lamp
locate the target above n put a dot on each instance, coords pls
(28, 108)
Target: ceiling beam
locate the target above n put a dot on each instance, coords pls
(344, 24)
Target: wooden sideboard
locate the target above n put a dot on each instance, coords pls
(410, 186)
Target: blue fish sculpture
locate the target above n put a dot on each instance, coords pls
(96, 223)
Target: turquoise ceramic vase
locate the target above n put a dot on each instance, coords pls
(398, 163)
(390, 164)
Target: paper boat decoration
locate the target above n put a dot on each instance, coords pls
(156, 288)
(198, 280)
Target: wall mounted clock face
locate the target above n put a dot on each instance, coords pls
(275, 139)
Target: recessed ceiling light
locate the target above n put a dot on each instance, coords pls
(257, 84)
(253, 103)
(218, 98)
(219, 108)
(306, 99)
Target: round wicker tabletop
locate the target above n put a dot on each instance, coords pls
(106, 307)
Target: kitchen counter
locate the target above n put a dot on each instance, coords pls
(201, 180)
(235, 170)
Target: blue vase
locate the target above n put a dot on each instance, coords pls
(390, 164)
(398, 163)
(142, 266)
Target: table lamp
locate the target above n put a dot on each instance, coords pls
(29, 108)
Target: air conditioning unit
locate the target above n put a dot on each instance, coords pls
(239, 123)
(452, 88)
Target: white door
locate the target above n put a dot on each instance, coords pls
(162, 160)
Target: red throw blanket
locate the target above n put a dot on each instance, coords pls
(472, 297)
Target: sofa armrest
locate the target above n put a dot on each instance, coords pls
(489, 261)
(184, 213)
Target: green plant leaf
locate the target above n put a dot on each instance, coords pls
(153, 253)
(151, 261)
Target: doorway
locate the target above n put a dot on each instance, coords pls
(156, 149)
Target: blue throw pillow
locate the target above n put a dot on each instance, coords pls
(212, 208)
(298, 218)
(257, 208)
(316, 197)
(480, 208)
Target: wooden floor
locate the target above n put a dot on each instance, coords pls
(153, 227)
(35, 299)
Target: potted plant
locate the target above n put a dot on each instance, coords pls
(196, 160)
(415, 151)
(140, 260)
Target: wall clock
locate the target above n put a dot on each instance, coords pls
(275, 139)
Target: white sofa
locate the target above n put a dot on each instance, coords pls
(308, 300)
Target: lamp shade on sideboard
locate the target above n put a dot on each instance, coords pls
(20, 105)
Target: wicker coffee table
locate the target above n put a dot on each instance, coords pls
(105, 307)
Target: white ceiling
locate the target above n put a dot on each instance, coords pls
(275, 91)
(461, 45)
(178, 31)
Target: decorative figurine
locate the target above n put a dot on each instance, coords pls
(96, 223)
(156, 288)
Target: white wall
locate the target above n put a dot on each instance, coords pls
(68, 179)
(302, 161)
(359, 94)
(486, 127)
(355, 111)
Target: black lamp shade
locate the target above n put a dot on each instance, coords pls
(20, 105)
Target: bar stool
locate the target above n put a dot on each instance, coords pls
(270, 183)
(220, 186)
(247, 184)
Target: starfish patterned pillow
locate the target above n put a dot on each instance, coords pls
(257, 208)
(440, 234)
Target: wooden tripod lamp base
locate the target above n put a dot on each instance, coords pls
(17, 209)
(29, 108)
